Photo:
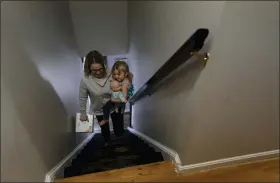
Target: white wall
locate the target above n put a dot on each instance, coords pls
(111, 59)
(100, 25)
(40, 74)
(156, 35)
(229, 108)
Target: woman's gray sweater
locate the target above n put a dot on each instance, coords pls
(98, 91)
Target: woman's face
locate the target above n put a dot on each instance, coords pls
(97, 70)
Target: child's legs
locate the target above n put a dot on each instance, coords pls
(118, 123)
(120, 108)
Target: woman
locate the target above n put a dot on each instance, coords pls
(96, 84)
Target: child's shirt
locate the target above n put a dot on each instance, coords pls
(130, 91)
(118, 95)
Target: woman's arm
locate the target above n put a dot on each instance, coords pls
(125, 88)
(83, 96)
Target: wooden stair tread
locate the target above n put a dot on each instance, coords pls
(152, 171)
(258, 171)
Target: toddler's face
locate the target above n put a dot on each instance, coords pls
(119, 75)
(115, 85)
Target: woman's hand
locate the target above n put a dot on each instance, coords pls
(84, 117)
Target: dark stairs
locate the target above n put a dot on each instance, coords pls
(125, 151)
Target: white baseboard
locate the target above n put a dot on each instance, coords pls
(229, 161)
(51, 175)
(206, 165)
(173, 154)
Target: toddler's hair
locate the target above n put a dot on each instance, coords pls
(122, 66)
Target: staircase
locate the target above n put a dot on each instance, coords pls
(125, 151)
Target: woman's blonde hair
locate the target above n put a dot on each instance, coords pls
(122, 66)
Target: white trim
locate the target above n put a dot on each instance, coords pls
(172, 153)
(209, 164)
(51, 175)
(230, 161)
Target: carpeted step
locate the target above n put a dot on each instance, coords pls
(125, 151)
(122, 161)
(113, 150)
(113, 154)
(111, 164)
(112, 145)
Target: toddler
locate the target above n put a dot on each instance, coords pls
(122, 89)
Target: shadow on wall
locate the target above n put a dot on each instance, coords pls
(182, 83)
(184, 78)
(38, 106)
(174, 91)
